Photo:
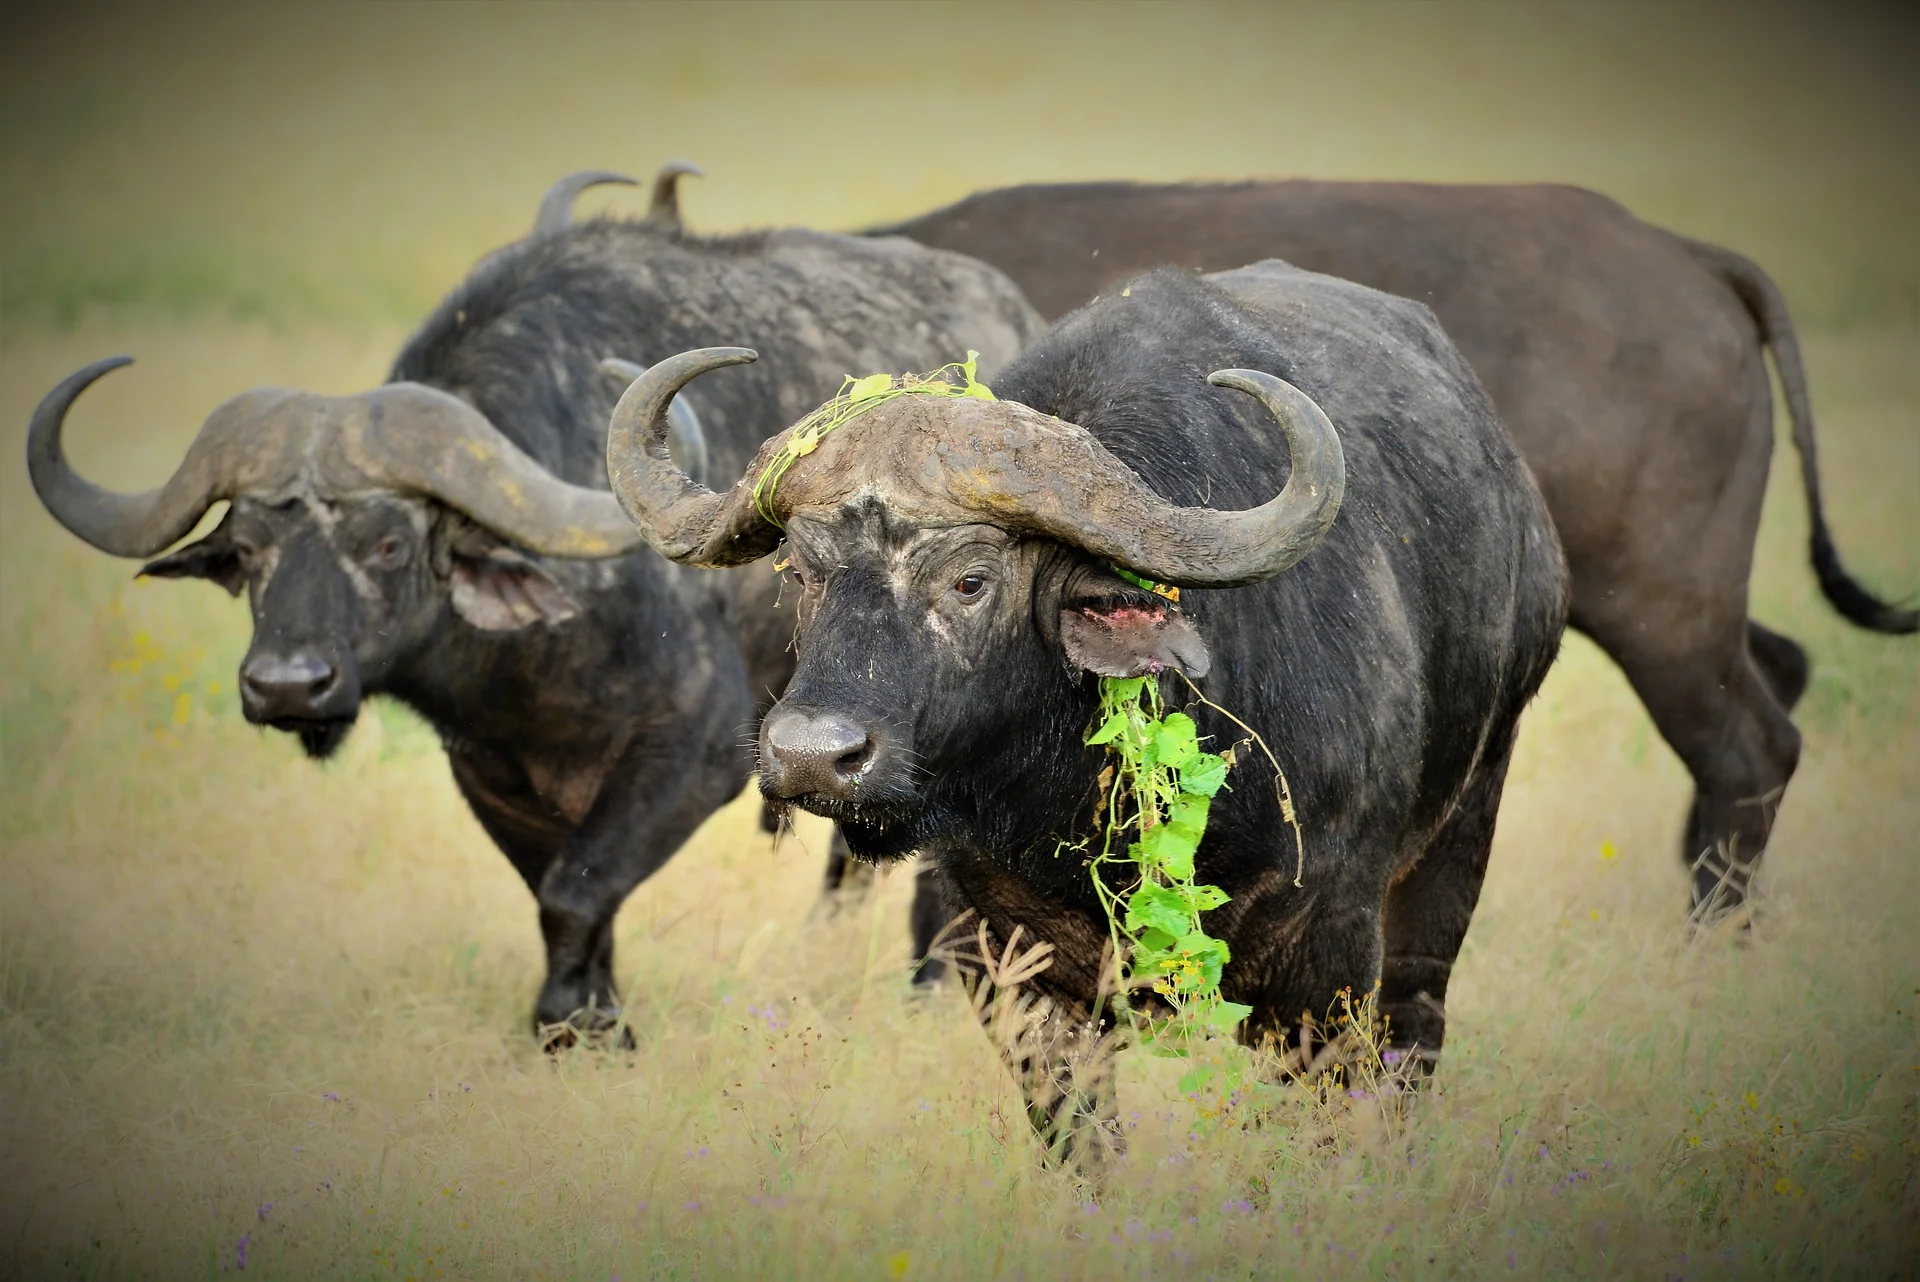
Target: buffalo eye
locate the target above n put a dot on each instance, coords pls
(969, 586)
(389, 552)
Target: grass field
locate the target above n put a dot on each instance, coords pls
(262, 1015)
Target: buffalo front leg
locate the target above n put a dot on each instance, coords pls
(1061, 1057)
(648, 805)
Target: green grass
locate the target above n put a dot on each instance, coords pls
(245, 996)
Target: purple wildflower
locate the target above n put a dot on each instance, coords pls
(263, 1210)
(240, 1252)
(334, 1096)
(1235, 1206)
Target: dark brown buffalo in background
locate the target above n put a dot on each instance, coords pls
(1628, 363)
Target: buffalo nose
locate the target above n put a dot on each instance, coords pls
(296, 685)
(814, 752)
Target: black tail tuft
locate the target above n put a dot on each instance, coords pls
(1855, 603)
(1763, 302)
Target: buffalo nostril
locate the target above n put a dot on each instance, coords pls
(815, 752)
(852, 762)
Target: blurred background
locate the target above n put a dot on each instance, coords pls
(258, 1014)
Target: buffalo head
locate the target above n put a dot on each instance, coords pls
(354, 523)
(960, 568)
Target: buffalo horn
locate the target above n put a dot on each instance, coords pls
(664, 208)
(1070, 487)
(122, 524)
(421, 440)
(404, 437)
(1206, 547)
(556, 209)
(686, 439)
(683, 519)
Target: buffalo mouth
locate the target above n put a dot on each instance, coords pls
(876, 831)
(319, 738)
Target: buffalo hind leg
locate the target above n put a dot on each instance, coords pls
(1734, 735)
(1781, 661)
(1428, 911)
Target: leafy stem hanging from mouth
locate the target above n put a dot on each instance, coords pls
(855, 397)
(1161, 790)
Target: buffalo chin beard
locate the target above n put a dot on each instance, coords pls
(878, 833)
(318, 739)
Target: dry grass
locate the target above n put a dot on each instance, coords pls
(248, 1000)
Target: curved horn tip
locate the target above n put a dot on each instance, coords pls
(619, 368)
(1244, 380)
(105, 365)
(556, 207)
(682, 167)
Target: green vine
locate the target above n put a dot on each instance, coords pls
(855, 397)
(1161, 790)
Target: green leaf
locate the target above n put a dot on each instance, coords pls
(979, 392)
(1190, 811)
(1170, 848)
(1176, 741)
(867, 388)
(1205, 898)
(1159, 908)
(1226, 1015)
(1123, 689)
(1205, 775)
(1196, 1079)
(1152, 946)
(1109, 729)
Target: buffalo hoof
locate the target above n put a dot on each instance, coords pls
(596, 1026)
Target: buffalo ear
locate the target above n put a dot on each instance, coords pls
(502, 591)
(212, 558)
(1125, 638)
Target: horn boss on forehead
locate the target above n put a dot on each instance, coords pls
(958, 459)
(404, 437)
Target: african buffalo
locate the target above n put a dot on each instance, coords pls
(448, 539)
(958, 565)
(1626, 361)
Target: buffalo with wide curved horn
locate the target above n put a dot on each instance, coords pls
(957, 459)
(403, 437)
